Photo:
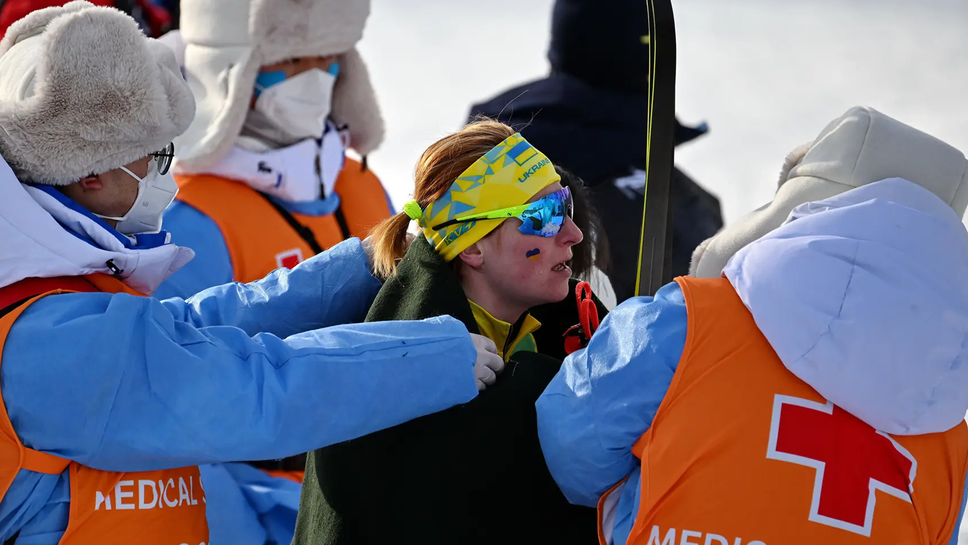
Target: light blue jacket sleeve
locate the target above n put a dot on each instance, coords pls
(231, 519)
(247, 506)
(605, 396)
(120, 383)
(212, 265)
(332, 288)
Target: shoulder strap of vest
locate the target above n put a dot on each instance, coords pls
(305, 232)
(344, 226)
(707, 300)
(35, 460)
(18, 293)
(42, 462)
(360, 208)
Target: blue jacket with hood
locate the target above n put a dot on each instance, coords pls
(237, 372)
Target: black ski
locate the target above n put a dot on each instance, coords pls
(655, 246)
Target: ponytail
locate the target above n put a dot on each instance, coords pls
(389, 244)
(437, 168)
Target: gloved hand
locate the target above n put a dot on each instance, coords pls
(489, 365)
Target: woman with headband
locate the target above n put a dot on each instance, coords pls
(497, 236)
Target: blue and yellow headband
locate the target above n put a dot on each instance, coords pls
(508, 175)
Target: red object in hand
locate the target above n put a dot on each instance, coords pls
(577, 336)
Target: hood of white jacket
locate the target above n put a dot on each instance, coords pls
(863, 297)
(860, 147)
(224, 44)
(45, 235)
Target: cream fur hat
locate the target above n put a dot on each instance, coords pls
(860, 147)
(228, 41)
(84, 91)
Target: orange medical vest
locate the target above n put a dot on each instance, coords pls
(742, 452)
(107, 508)
(259, 238)
(292, 475)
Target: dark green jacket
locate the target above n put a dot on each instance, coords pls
(473, 474)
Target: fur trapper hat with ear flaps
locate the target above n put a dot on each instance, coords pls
(228, 41)
(84, 91)
(862, 146)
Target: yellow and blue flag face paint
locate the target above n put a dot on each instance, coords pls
(508, 175)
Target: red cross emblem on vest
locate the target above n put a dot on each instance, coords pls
(289, 258)
(851, 461)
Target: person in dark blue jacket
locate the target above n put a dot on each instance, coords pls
(590, 115)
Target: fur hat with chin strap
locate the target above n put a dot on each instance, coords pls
(862, 146)
(84, 91)
(228, 41)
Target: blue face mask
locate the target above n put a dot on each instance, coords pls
(267, 79)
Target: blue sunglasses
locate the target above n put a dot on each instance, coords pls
(543, 217)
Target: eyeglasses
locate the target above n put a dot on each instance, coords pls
(543, 217)
(163, 158)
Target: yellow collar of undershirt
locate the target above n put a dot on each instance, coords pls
(502, 332)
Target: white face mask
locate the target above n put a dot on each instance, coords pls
(155, 192)
(298, 106)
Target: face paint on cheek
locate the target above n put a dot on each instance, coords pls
(533, 254)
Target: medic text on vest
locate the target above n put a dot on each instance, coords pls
(688, 537)
(151, 494)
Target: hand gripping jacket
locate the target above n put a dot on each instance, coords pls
(163, 507)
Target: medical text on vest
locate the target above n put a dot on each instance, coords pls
(150, 494)
(689, 537)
